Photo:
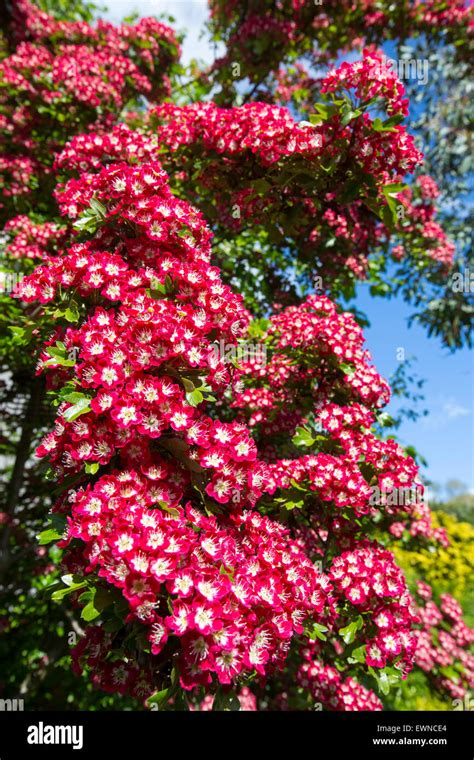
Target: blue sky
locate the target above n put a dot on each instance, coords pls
(445, 437)
(190, 15)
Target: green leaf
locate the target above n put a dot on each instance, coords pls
(174, 677)
(18, 332)
(75, 411)
(348, 633)
(180, 701)
(293, 504)
(72, 312)
(348, 369)
(318, 631)
(159, 698)
(49, 535)
(385, 678)
(171, 510)
(380, 289)
(393, 188)
(357, 655)
(388, 125)
(98, 208)
(59, 356)
(90, 612)
(377, 126)
(296, 485)
(103, 598)
(86, 223)
(92, 217)
(188, 385)
(74, 397)
(69, 579)
(385, 420)
(302, 437)
(384, 683)
(157, 289)
(349, 116)
(392, 121)
(324, 110)
(58, 596)
(97, 600)
(195, 397)
(55, 530)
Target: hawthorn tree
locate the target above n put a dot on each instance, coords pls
(283, 51)
(57, 79)
(224, 502)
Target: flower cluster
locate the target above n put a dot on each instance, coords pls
(334, 692)
(368, 578)
(338, 337)
(286, 393)
(232, 591)
(280, 155)
(420, 523)
(151, 45)
(293, 27)
(332, 362)
(91, 150)
(445, 644)
(139, 361)
(267, 132)
(92, 77)
(359, 76)
(63, 77)
(238, 586)
(197, 535)
(421, 227)
(226, 593)
(270, 133)
(18, 175)
(32, 240)
(120, 675)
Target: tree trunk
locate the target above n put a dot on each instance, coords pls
(23, 451)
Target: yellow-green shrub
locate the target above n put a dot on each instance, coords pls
(448, 569)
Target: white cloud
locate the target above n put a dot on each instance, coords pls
(444, 410)
(454, 410)
(190, 16)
